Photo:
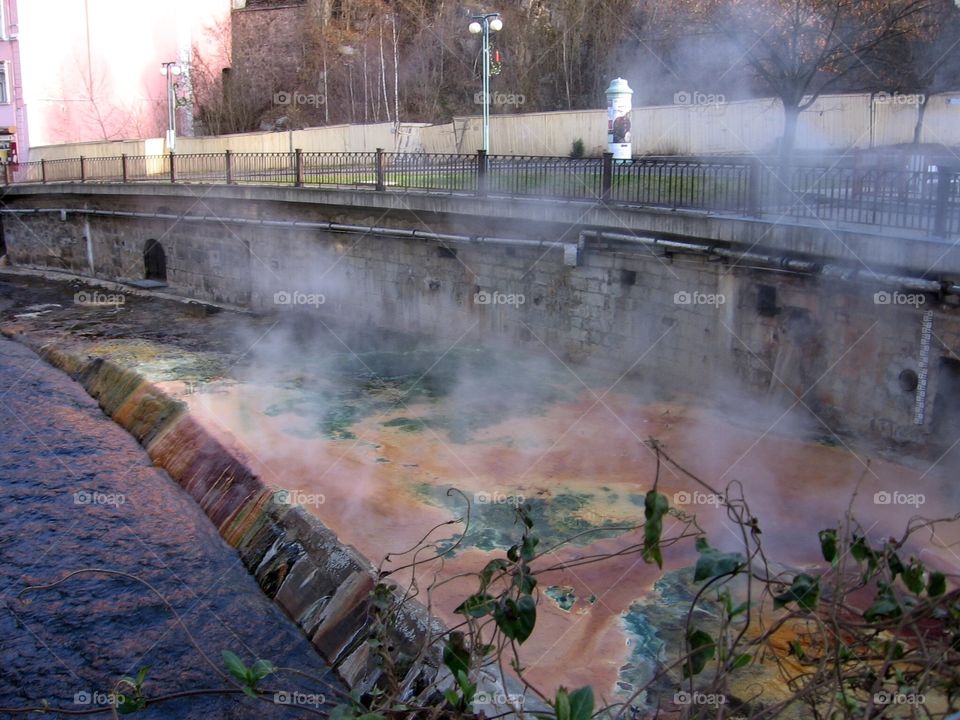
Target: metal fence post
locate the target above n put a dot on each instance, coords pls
(173, 171)
(43, 170)
(606, 176)
(228, 165)
(754, 203)
(481, 172)
(123, 167)
(381, 185)
(83, 171)
(298, 167)
(943, 201)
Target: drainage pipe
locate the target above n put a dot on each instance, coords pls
(782, 262)
(296, 224)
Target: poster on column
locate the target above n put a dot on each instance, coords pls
(619, 106)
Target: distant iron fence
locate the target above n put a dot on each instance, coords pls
(833, 192)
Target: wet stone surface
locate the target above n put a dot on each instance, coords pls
(79, 492)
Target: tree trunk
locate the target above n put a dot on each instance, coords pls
(921, 112)
(791, 114)
(366, 85)
(396, 71)
(383, 75)
(326, 85)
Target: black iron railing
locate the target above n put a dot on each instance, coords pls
(834, 193)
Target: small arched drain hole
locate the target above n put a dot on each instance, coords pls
(908, 380)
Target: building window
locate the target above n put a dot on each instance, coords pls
(4, 90)
(4, 84)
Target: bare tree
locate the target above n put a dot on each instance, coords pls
(927, 61)
(799, 49)
(224, 99)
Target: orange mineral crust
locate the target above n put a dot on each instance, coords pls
(374, 491)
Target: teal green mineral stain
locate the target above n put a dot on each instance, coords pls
(494, 525)
(562, 595)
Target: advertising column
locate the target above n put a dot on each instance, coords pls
(619, 105)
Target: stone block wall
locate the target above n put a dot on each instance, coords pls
(681, 322)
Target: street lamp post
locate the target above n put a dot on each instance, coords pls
(170, 70)
(484, 24)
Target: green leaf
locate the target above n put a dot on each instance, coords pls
(885, 605)
(516, 619)
(513, 554)
(861, 551)
(525, 582)
(247, 690)
(895, 565)
(142, 675)
(713, 563)
(893, 650)
(235, 666)
(127, 705)
(455, 654)
(581, 703)
(936, 584)
(477, 605)
(260, 669)
(452, 697)
(561, 704)
(828, 544)
(525, 516)
(655, 506)
(528, 549)
(804, 590)
(702, 649)
(494, 566)
(468, 688)
(913, 577)
(741, 661)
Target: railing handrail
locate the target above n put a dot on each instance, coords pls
(823, 189)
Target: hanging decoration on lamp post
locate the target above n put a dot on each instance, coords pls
(485, 24)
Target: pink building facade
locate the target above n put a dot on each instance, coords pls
(91, 68)
(14, 139)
